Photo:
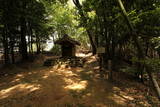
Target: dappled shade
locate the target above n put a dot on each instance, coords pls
(116, 64)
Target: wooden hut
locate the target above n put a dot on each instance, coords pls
(68, 46)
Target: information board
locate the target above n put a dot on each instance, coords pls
(100, 50)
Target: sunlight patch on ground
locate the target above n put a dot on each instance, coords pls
(63, 86)
(92, 59)
(68, 81)
(89, 72)
(80, 54)
(20, 76)
(18, 89)
(69, 73)
(16, 80)
(116, 89)
(96, 68)
(127, 97)
(121, 97)
(51, 71)
(77, 86)
(45, 76)
(72, 80)
(118, 99)
(83, 55)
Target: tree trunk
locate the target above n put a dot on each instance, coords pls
(38, 45)
(5, 45)
(147, 48)
(32, 42)
(12, 53)
(31, 37)
(110, 70)
(94, 49)
(78, 5)
(23, 40)
(29, 43)
(96, 36)
(154, 82)
(12, 48)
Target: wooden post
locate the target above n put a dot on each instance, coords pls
(101, 51)
(110, 69)
(101, 65)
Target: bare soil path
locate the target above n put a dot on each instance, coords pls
(34, 85)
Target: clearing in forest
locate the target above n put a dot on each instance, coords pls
(33, 85)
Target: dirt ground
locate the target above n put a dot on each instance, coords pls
(33, 85)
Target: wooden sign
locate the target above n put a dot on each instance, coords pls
(100, 50)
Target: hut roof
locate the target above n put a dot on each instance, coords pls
(66, 38)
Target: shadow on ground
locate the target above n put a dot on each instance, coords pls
(58, 86)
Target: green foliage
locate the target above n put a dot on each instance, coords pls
(154, 63)
(63, 20)
(149, 22)
(155, 43)
(129, 70)
(102, 18)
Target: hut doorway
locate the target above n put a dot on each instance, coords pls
(68, 50)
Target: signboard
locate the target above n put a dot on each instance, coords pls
(100, 50)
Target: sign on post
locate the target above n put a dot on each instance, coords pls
(101, 50)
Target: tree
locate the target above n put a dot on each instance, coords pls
(84, 24)
(140, 50)
(18, 21)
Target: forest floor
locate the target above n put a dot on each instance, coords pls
(34, 85)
